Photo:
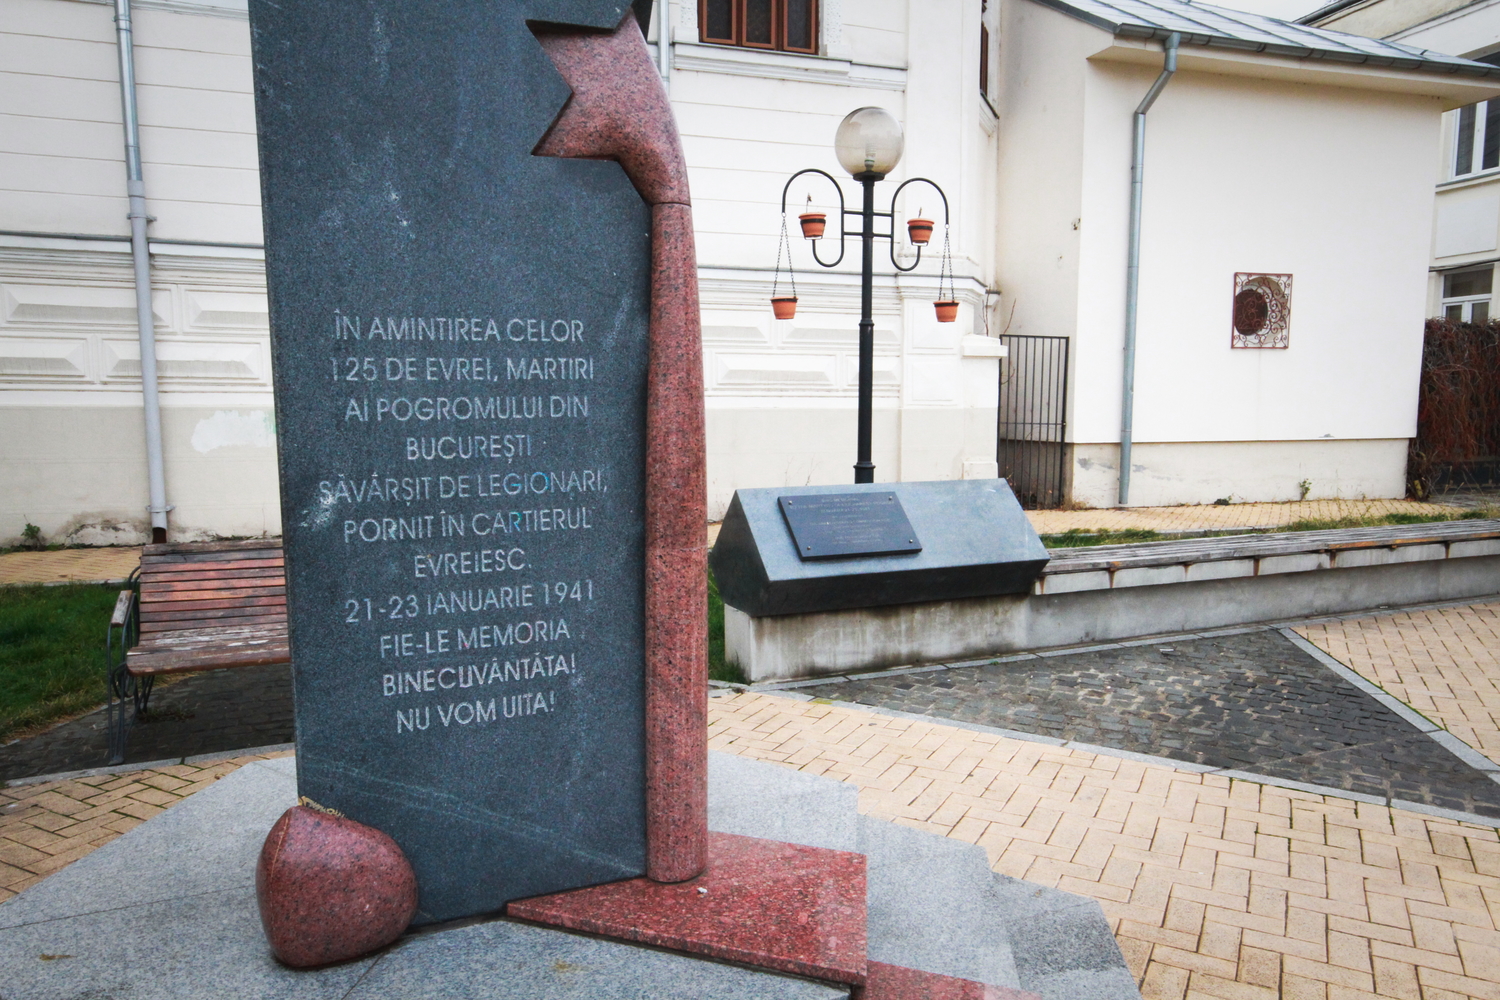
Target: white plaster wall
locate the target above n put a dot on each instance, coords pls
(1169, 473)
(61, 144)
(1240, 176)
(1039, 99)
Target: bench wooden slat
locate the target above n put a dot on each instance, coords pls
(212, 594)
(212, 619)
(228, 602)
(216, 633)
(199, 549)
(207, 658)
(217, 571)
(174, 619)
(256, 583)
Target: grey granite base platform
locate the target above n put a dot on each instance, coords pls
(168, 911)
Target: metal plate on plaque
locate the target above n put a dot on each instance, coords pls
(831, 525)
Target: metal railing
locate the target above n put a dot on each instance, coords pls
(1033, 419)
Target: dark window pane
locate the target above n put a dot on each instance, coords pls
(758, 22)
(718, 20)
(1481, 313)
(800, 28)
(1491, 135)
(984, 60)
(1454, 312)
(1463, 163)
(1465, 283)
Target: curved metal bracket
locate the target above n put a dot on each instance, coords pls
(842, 212)
(896, 194)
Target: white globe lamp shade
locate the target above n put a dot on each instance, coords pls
(869, 141)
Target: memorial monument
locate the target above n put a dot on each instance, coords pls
(490, 420)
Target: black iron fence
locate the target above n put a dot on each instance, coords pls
(1034, 419)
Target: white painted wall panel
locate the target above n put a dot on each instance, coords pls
(1467, 221)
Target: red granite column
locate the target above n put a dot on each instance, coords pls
(620, 111)
(676, 580)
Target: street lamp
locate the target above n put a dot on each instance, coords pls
(869, 144)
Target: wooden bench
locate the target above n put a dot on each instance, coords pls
(189, 607)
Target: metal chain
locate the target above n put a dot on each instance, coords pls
(785, 243)
(946, 269)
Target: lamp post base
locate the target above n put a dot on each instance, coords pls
(864, 472)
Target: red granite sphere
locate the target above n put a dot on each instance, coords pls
(331, 889)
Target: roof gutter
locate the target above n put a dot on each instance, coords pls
(135, 189)
(1133, 260)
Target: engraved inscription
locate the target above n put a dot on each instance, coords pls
(834, 525)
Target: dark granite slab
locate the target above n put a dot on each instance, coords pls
(459, 330)
(975, 541)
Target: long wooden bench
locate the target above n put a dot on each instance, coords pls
(193, 606)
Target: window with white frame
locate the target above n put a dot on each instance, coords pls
(1466, 294)
(1476, 133)
(1476, 143)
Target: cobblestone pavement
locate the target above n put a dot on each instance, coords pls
(44, 827)
(1252, 702)
(1444, 662)
(1215, 887)
(211, 712)
(108, 564)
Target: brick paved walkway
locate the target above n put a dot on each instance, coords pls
(44, 827)
(1444, 663)
(69, 565)
(1215, 517)
(1251, 701)
(1215, 888)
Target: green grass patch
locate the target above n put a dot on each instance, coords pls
(718, 670)
(51, 652)
(1079, 537)
(1313, 524)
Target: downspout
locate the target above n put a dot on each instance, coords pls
(1133, 259)
(140, 256)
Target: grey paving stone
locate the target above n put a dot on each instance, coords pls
(935, 905)
(501, 959)
(1063, 945)
(187, 948)
(756, 799)
(206, 844)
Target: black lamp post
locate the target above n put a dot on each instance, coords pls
(869, 145)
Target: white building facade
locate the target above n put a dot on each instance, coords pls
(1466, 222)
(1019, 110)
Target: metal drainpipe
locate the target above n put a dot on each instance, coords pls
(1133, 259)
(141, 257)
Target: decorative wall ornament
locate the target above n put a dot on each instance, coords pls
(1262, 310)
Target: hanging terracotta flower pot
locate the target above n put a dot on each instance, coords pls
(920, 231)
(947, 311)
(784, 306)
(813, 224)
